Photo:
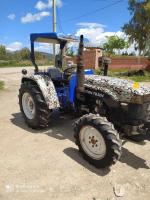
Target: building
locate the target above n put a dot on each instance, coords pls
(91, 57)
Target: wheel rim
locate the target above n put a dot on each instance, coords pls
(92, 142)
(28, 105)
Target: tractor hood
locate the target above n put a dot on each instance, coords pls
(119, 89)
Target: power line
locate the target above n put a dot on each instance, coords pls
(94, 11)
(100, 0)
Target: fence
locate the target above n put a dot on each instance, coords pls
(117, 62)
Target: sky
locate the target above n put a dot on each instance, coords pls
(96, 19)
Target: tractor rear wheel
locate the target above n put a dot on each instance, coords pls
(33, 106)
(98, 141)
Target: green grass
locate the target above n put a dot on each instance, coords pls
(1, 85)
(22, 63)
(136, 78)
(118, 73)
(140, 78)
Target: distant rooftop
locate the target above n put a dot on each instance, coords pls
(93, 47)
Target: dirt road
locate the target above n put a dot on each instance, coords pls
(45, 165)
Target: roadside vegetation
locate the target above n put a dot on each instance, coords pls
(138, 33)
(1, 85)
(134, 75)
(22, 58)
(138, 27)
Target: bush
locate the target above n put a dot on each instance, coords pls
(1, 85)
(135, 75)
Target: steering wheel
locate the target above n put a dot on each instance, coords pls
(68, 72)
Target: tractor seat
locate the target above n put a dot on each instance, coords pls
(57, 76)
(55, 73)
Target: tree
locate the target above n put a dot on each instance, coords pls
(70, 51)
(138, 28)
(39, 55)
(24, 54)
(115, 43)
(2, 52)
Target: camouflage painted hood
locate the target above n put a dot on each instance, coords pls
(120, 89)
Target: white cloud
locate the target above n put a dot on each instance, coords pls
(29, 17)
(95, 32)
(14, 46)
(97, 35)
(11, 16)
(43, 47)
(91, 25)
(40, 5)
(46, 47)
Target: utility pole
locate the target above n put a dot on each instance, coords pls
(54, 27)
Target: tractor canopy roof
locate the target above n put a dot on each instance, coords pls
(52, 37)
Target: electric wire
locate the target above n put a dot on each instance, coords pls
(86, 14)
(94, 11)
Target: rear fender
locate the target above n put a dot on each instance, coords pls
(47, 88)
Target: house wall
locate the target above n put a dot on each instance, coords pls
(90, 58)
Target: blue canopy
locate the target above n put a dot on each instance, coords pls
(47, 38)
(52, 38)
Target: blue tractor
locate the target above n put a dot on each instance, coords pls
(101, 103)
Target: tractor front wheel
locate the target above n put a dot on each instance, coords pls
(97, 140)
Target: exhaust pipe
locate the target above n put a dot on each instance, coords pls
(80, 69)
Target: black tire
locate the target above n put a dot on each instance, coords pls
(42, 113)
(109, 134)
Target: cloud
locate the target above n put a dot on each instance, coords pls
(43, 47)
(11, 16)
(95, 32)
(91, 25)
(40, 5)
(29, 17)
(46, 47)
(14, 46)
(97, 35)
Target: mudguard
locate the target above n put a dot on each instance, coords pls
(47, 88)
